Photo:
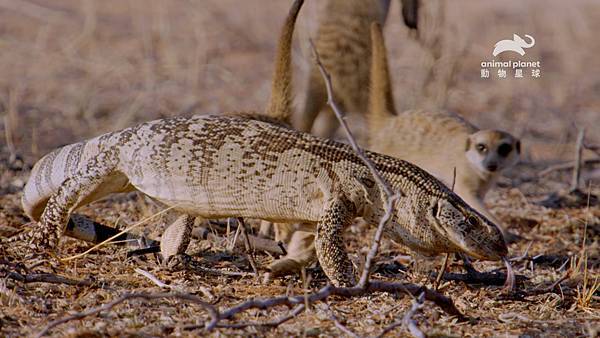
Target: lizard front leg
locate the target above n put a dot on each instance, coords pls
(329, 242)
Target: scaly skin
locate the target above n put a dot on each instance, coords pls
(229, 166)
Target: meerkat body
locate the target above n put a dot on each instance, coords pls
(345, 50)
(441, 142)
(437, 141)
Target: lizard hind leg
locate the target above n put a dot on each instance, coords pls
(329, 243)
(175, 241)
(94, 181)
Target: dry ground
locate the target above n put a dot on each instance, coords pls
(73, 69)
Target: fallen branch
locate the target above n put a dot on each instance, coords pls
(567, 166)
(296, 311)
(341, 326)
(214, 314)
(410, 323)
(486, 278)
(298, 302)
(48, 278)
(445, 303)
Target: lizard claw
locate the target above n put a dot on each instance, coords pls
(176, 262)
(36, 239)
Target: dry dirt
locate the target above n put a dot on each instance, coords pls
(74, 69)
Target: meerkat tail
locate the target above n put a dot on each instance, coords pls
(280, 103)
(381, 100)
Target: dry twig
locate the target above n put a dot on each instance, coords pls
(577, 169)
(248, 247)
(214, 314)
(48, 278)
(567, 165)
(407, 320)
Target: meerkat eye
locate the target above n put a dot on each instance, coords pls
(504, 149)
(481, 148)
(473, 221)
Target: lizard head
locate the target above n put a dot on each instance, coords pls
(467, 229)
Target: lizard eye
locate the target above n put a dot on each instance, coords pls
(473, 221)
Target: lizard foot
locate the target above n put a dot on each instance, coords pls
(36, 239)
(176, 262)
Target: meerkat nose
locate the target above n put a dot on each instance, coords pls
(492, 167)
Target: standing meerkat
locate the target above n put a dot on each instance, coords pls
(345, 50)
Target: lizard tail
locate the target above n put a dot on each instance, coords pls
(280, 103)
(47, 176)
(381, 100)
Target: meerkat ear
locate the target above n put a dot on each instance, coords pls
(518, 146)
(468, 144)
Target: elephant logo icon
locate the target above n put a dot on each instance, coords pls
(515, 45)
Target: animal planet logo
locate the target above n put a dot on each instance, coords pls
(516, 45)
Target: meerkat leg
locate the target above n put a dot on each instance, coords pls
(300, 253)
(329, 243)
(284, 232)
(326, 124)
(175, 240)
(316, 98)
(265, 229)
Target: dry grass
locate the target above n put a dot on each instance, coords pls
(73, 69)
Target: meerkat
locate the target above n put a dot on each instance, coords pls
(345, 49)
(443, 143)
(437, 141)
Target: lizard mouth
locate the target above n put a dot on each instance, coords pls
(488, 256)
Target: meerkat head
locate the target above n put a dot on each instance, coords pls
(467, 229)
(491, 151)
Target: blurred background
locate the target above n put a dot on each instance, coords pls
(72, 69)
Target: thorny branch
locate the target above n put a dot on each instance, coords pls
(390, 195)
